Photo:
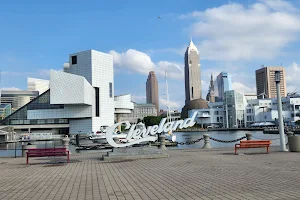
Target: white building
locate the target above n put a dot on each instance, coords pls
(140, 111)
(17, 98)
(234, 109)
(226, 114)
(211, 116)
(260, 111)
(35, 84)
(81, 96)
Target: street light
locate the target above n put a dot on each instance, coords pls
(279, 108)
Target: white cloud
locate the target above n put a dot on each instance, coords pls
(138, 98)
(42, 73)
(11, 88)
(174, 105)
(292, 77)
(140, 62)
(240, 87)
(234, 32)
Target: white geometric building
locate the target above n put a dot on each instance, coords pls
(82, 96)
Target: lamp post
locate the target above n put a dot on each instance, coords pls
(279, 108)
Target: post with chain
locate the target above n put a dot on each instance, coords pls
(162, 138)
(206, 142)
(249, 136)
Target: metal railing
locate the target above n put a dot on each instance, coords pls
(17, 148)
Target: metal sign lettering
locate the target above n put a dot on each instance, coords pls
(136, 136)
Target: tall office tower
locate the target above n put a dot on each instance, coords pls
(223, 83)
(210, 95)
(152, 90)
(265, 82)
(192, 73)
(40, 85)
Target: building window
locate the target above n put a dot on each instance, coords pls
(97, 101)
(110, 90)
(74, 60)
(192, 92)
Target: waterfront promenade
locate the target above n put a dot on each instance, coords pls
(186, 174)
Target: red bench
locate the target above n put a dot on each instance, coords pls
(47, 152)
(253, 144)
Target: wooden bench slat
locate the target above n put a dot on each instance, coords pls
(253, 144)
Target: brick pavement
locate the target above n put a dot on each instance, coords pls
(186, 174)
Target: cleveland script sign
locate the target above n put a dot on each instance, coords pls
(136, 136)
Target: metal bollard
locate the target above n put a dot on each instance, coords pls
(206, 142)
(77, 140)
(66, 141)
(249, 136)
(162, 139)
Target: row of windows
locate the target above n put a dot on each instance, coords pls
(249, 110)
(38, 121)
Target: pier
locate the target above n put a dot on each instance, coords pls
(186, 174)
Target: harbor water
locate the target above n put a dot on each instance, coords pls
(15, 149)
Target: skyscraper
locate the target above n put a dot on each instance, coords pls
(223, 83)
(265, 82)
(192, 73)
(210, 95)
(152, 90)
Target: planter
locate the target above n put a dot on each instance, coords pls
(294, 143)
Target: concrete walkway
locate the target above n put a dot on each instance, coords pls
(186, 174)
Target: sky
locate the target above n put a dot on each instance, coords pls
(233, 36)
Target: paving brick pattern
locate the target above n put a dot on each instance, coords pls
(186, 174)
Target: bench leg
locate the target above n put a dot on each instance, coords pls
(235, 150)
(27, 160)
(68, 156)
(267, 149)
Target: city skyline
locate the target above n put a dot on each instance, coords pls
(138, 47)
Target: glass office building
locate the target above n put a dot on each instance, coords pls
(222, 84)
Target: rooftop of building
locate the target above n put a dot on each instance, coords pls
(192, 47)
(143, 104)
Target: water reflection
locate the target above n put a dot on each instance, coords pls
(12, 149)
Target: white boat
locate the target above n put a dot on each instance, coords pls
(170, 135)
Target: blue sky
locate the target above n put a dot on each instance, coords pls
(233, 36)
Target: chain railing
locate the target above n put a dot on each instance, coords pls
(228, 141)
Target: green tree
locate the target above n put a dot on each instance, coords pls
(152, 120)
